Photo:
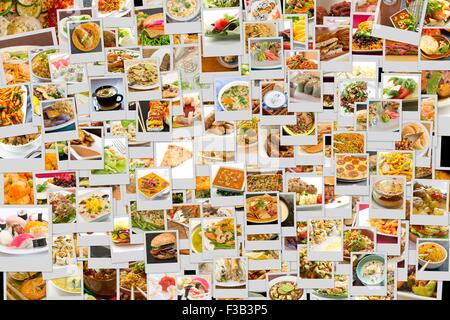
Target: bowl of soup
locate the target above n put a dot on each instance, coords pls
(371, 270)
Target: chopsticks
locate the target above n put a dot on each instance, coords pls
(141, 119)
(140, 291)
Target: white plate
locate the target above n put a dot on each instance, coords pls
(118, 13)
(363, 221)
(88, 195)
(301, 207)
(15, 251)
(345, 200)
(230, 284)
(60, 126)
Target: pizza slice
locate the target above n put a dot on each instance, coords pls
(175, 155)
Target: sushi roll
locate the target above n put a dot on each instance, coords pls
(22, 241)
(301, 82)
(5, 238)
(309, 86)
(317, 92)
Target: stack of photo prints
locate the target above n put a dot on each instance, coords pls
(224, 149)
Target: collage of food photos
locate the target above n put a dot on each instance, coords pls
(224, 149)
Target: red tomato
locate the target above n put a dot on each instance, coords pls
(166, 282)
(220, 24)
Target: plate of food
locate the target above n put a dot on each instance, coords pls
(219, 234)
(24, 233)
(86, 36)
(142, 76)
(63, 206)
(358, 240)
(152, 185)
(40, 65)
(363, 42)
(113, 9)
(385, 227)
(15, 108)
(230, 272)
(265, 54)
(75, 18)
(351, 168)
(416, 136)
(305, 125)
(94, 206)
(262, 209)
(307, 194)
(58, 115)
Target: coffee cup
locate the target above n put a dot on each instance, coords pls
(107, 95)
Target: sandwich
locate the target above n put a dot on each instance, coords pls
(163, 246)
(388, 193)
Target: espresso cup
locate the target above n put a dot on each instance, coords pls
(108, 100)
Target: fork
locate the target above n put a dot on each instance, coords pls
(120, 146)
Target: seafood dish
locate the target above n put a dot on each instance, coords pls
(384, 115)
(24, 232)
(298, 61)
(265, 54)
(219, 235)
(285, 290)
(325, 235)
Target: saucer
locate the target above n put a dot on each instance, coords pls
(105, 108)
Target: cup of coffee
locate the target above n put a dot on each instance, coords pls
(107, 96)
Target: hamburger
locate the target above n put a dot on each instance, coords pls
(388, 193)
(329, 189)
(163, 246)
